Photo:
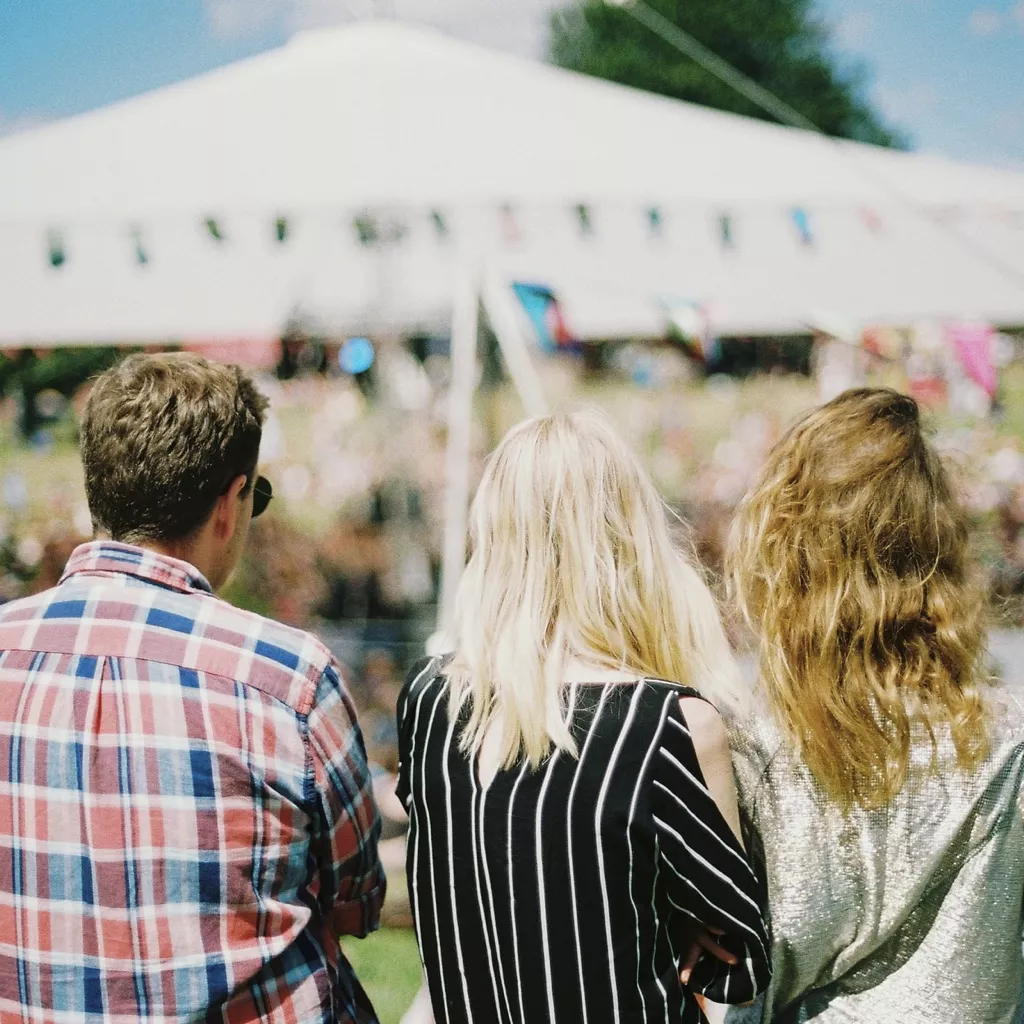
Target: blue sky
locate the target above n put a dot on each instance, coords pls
(951, 72)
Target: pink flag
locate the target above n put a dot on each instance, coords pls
(974, 344)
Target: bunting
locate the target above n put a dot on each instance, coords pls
(379, 227)
(688, 325)
(546, 316)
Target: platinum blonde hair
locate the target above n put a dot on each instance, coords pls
(572, 556)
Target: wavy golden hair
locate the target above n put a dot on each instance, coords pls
(572, 556)
(850, 560)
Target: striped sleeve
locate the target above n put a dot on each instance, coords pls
(346, 820)
(707, 876)
(413, 684)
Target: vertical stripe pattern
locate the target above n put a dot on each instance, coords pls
(565, 894)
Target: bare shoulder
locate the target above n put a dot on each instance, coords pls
(710, 739)
(707, 728)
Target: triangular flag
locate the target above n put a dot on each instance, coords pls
(545, 313)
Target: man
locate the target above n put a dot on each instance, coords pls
(186, 818)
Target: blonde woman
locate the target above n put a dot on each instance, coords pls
(882, 774)
(572, 812)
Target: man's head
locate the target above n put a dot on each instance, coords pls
(170, 445)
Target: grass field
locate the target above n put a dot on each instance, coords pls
(388, 965)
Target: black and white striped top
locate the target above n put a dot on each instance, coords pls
(562, 895)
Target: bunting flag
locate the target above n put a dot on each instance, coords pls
(688, 325)
(725, 230)
(872, 221)
(510, 224)
(55, 245)
(440, 222)
(803, 226)
(974, 344)
(139, 244)
(378, 228)
(367, 229)
(545, 313)
(583, 219)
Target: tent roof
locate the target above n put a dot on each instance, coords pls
(383, 113)
(400, 121)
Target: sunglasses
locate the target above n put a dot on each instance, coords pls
(262, 492)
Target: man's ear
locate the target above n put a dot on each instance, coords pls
(228, 508)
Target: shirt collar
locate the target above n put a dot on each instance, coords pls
(107, 557)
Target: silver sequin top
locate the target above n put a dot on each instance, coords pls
(906, 915)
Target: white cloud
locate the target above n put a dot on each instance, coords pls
(303, 14)
(854, 29)
(235, 19)
(985, 21)
(908, 103)
(516, 25)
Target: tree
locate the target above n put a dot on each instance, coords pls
(780, 44)
(27, 374)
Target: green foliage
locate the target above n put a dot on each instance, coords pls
(63, 369)
(780, 44)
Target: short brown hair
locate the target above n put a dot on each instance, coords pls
(162, 437)
(850, 558)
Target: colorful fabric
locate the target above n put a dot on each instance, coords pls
(688, 324)
(974, 344)
(186, 817)
(546, 316)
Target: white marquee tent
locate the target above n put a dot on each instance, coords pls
(444, 156)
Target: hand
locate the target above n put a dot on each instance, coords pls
(702, 940)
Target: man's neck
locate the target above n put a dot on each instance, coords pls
(184, 551)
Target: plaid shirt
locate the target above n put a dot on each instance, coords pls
(186, 818)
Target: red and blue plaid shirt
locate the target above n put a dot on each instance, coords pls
(186, 817)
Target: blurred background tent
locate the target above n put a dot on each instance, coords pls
(341, 179)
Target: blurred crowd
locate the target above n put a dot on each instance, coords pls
(351, 546)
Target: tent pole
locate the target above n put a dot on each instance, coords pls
(514, 350)
(459, 448)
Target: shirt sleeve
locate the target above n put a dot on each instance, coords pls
(413, 682)
(707, 877)
(347, 822)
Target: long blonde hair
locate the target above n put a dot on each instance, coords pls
(572, 556)
(850, 560)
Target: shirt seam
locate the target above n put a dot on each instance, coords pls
(181, 588)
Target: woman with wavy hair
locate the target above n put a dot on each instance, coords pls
(882, 774)
(573, 819)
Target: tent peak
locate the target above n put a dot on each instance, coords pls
(378, 31)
